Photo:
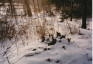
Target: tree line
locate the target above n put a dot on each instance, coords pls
(74, 9)
(69, 8)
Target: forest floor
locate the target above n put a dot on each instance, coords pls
(78, 50)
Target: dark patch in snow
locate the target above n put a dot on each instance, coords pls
(43, 38)
(29, 54)
(69, 39)
(90, 59)
(64, 47)
(89, 48)
(45, 49)
(8, 47)
(58, 34)
(49, 49)
(59, 40)
(37, 52)
(63, 36)
(81, 34)
(34, 49)
(52, 43)
(57, 61)
(49, 60)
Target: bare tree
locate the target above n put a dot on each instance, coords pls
(84, 14)
(28, 8)
(11, 6)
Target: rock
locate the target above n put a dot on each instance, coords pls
(57, 61)
(34, 50)
(45, 49)
(53, 42)
(63, 36)
(29, 54)
(48, 48)
(49, 60)
(64, 47)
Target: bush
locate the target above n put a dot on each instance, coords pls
(7, 31)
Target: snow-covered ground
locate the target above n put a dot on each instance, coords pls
(78, 50)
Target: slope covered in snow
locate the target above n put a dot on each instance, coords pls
(74, 48)
(76, 51)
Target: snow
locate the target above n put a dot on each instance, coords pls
(33, 51)
(78, 51)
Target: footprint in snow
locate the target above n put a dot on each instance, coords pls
(49, 59)
(31, 54)
(45, 49)
(57, 61)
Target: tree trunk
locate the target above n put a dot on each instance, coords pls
(11, 6)
(71, 10)
(38, 5)
(28, 8)
(84, 14)
(34, 6)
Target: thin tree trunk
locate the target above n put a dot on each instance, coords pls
(84, 14)
(71, 10)
(38, 5)
(11, 6)
(28, 8)
(34, 6)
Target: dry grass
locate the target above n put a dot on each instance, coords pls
(72, 28)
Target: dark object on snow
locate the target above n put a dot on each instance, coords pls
(59, 40)
(34, 50)
(58, 34)
(5, 53)
(48, 48)
(8, 47)
(45, 49)
(63, 36)
(57, 61)
(69, 39)
(29, 54)
(43, 38)
(37, 52)
(53, 42)
(90, 59)
(49, 60)
(64, 47)
(88, 29)
(81, 34)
